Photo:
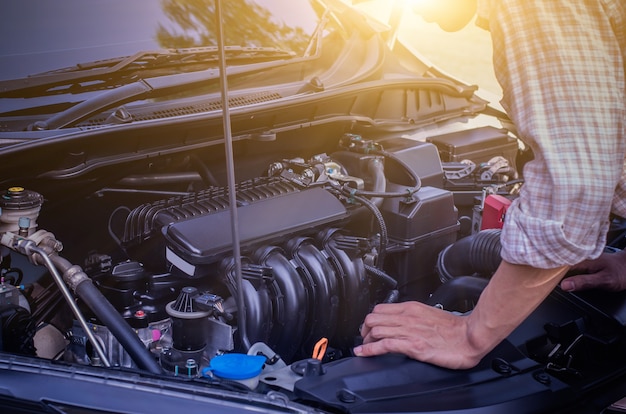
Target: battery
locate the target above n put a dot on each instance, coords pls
(478, 145)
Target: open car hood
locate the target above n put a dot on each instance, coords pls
(159, 256)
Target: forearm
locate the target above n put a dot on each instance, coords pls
(511, 295)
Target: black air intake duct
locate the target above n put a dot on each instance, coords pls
(478, 254)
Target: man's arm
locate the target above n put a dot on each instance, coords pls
(432, 335)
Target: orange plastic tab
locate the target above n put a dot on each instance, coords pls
(320, 348)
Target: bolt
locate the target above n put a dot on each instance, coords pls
(542, 377)
(501, 366)
(346, 396)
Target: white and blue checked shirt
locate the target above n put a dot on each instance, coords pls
(561, 66)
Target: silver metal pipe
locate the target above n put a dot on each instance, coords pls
(29, 248)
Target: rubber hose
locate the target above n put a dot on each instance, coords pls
(455, 294)
(475, 254)
(120, 329)
(392, 297)
(416, 178)
(377, 170)
(382, 276)
(381, 194)
(384, 237)
(206, 175)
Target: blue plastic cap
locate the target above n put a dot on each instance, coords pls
(23, 222)
(237, 366)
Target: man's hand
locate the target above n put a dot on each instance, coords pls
(607, 272)
(419, 331)
(453, 341)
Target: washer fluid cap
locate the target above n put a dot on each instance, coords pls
(237, 366)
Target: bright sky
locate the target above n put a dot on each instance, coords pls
(465, 54)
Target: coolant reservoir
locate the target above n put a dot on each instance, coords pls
(19, 209)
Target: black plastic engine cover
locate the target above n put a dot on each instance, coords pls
(205, 239)
(505, 381)
(558, 358)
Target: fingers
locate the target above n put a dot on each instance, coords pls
(382, 314)
(398, 308)
(390, 318)
(600, 280)
(418, 331)
(607, 272)
(378, 325)
(408, 322)
(381, 347)
(441, 352)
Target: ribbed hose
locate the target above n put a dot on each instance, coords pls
(393, 295)
(484, 253)
(475, 254)
(389, 281)
(382, 226)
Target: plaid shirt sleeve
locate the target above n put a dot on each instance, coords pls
(561, 66)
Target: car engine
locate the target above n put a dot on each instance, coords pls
(320, 240)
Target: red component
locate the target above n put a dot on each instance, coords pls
(140, 314)
(494, 211)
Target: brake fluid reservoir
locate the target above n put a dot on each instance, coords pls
(19, 209)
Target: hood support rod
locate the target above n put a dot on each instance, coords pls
(230, 170)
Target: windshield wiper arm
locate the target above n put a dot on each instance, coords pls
(117, 69)
(146, 88)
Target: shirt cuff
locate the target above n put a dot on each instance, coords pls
(544, 244)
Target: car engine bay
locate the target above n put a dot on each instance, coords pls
(324, 235)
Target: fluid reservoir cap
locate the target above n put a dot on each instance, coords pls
(237, 366)
(128, 272)
(18, 198)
